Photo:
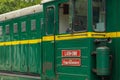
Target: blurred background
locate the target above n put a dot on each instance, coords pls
(10, 5)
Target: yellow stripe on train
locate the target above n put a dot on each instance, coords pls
(64, 37)
(34, 41)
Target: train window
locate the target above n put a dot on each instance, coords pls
(7, 29)
(99, 13)
(79, 16)
(63, 17)
(75, 18)
(33, 25)
(23, 26)
(15, 28)
(1, 32)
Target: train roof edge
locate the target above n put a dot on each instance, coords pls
(21, 12)
(45, 1)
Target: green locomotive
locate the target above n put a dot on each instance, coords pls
(61, 40)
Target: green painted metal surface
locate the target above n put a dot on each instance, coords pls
(15, 50)
(73, 72)
(113, 25)
(49, 47)
(7, 49)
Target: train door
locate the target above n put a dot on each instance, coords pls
(49, 43)
(72, 46)
(7, 47)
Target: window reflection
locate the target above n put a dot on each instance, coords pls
(80, 15)
(99, 12)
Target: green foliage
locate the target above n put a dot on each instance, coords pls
(10, 5)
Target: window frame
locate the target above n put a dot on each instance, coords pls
(93, 28)
(7, 29)
(59, 7)
(23, 28)
(73, 5)
(15, 28)
(35, 24)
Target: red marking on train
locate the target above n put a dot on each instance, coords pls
(71, 53)
(71, 62)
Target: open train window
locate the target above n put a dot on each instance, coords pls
(99, 15)
(33, 25)
(7, 29)
(63, 17)
(23, 26)
(15, 28)
(75, 18)
(1, 32)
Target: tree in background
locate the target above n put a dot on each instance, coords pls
(10, 5)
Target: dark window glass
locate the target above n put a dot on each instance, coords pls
(7, 29)
(80, 15)
(15, 28)
(23, 27)
(33, 25)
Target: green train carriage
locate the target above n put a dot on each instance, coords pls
(20, 33)
(61, 40)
